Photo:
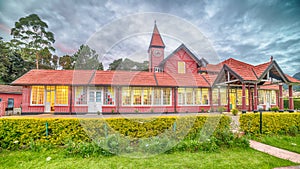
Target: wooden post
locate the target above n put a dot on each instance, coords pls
(255, 98)
(243, 98)
(280, 99)
(249, 98)
(228, 98)
(291, 100)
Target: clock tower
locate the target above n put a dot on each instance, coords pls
(156, 50)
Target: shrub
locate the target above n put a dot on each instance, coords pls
(272, 123)
(274, 109)
(234, 111)
(221, 109)
(296, 103)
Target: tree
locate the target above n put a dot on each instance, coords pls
(128, 64)
(87, 59)
(30, 37)
(66, 62)
(12, 65)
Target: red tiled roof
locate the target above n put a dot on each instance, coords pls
(54, 77)
(291, 79)
(269, 86)
(89, 77)
(156, 39)
(260, 69)
(244, 70)
(214, 68)
(10, 89)
(210, 78)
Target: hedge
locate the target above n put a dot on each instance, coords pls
(272, 123)
(296, 103)
(61, 131)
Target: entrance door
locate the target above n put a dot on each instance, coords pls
(95, 100)
(233, 98)
(50, 99)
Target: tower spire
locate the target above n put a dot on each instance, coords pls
(156, 40)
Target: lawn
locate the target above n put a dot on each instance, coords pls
(291, 143)
(228, 158)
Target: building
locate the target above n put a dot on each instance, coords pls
(10, 98)
(180, 82)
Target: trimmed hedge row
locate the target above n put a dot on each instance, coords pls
(272, 123)
(296, 103)
(29, 131)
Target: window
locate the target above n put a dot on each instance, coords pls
(273, 97)
(223, 93)
(181, 67)
(197, 93)
(261, 96)
(157, 69)
(157, 96)
(81, 95)
(37, 95)
(215, 96)
(10, 103)
(147, 95)
(137, 96)
(126, 96)
(189, 96)
(166, 96)
(0, 99)
(205, 96)
(109, 96)
(62, 95)
(192, 96)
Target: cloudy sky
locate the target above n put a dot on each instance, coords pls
(249, 31)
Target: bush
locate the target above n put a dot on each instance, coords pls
(272, 123)
(274, 109)
(234, 111)
(296, 103)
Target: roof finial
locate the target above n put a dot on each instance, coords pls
(271, 58)
(154, 22)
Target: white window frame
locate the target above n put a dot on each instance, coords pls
(31, 97)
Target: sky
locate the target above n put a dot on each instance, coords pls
(250, 31)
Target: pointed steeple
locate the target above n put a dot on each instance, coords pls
(156, 40)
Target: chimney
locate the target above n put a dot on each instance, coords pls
(271, 58)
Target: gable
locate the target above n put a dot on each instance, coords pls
(181, 54)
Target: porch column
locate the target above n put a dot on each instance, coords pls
(249, 98)
(228, 98)
(280, 99)
(255, 98)
(291, 100)
(210, 98)
(243, 98)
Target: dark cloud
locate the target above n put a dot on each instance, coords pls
(249, 30)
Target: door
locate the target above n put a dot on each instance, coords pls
(268, 100)
(95, 101)
(50, 99)
(233, 97)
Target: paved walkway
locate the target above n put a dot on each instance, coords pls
(274, 151)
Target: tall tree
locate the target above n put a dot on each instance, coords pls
(12, 65)
(87, 59)
(66, 62)
(30, 36)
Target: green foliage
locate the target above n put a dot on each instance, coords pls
(128, 64)
(274, 109)
(272, 123)
(234, 111)
(87, 59)
(32, 40)
(296, 103)
(221, 109)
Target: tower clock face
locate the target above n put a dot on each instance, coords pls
(157, 53)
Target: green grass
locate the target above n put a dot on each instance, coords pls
(228, 158)
(291, 143)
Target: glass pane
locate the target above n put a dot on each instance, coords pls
(137, 96)
(109, 95)
(91, 96)
(98, 96)
(157, 96)
(147, 96)
(189, 96)
(166, 96)
(205, 96)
